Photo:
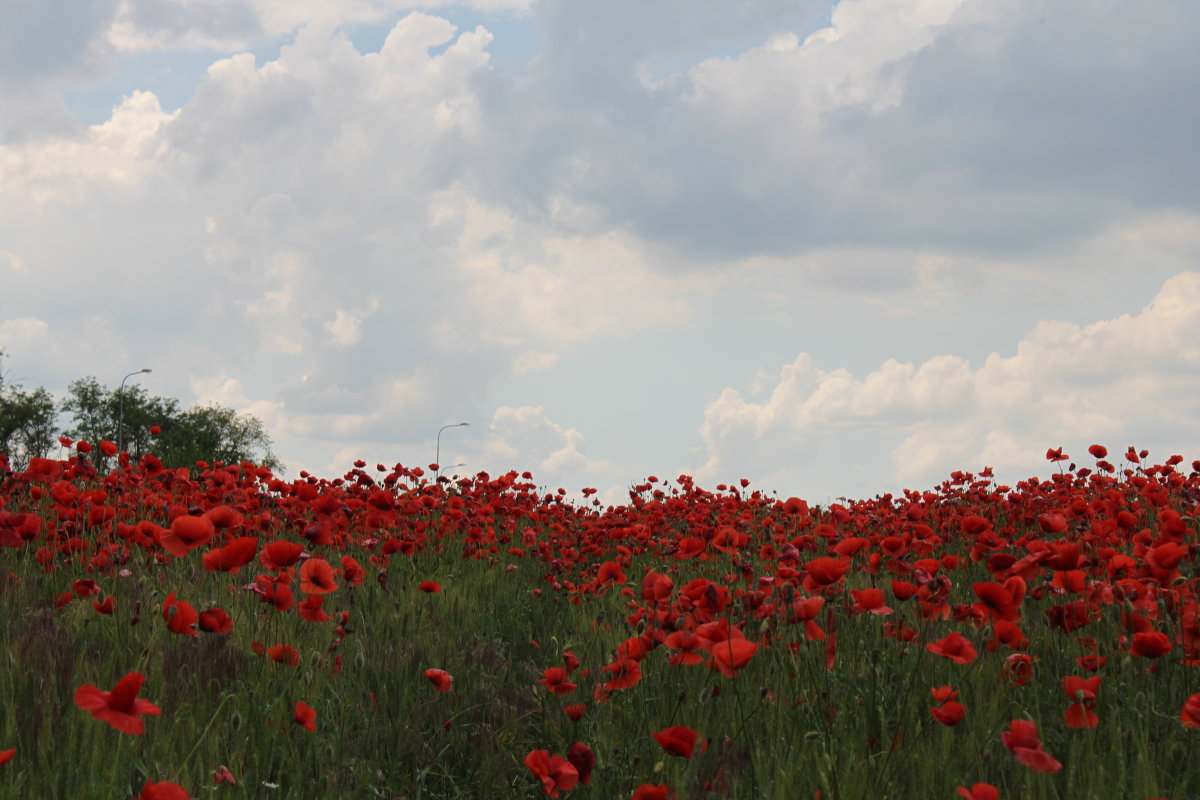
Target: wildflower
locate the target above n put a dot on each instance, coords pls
(121, 707)
(440, 679)
(555, 772)
(305, 715)
(677, 740)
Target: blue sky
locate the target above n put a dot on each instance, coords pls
(835, 248)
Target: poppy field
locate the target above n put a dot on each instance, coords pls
(223, 632)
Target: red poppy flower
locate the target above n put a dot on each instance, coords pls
(305, 715)
(1083, 692)
(180, 616)
(610, 572)
(310, 609)
(316, 577)
(284, 654)
(186, 534)
(222, 775)
(108, 448)
(677, 740)
(215, 620)
(233, 556)
(980, 791)
(163, 790)
(626, 673)
(1022, 740)
(575, 712)
(7, 756)
(155, 430)
(950, 713)
(281, 554)
(1098, 451)
(731, 655)
(825, 571)
(870, 600)
(432, 587)
(555, 680)
(955, 647)
(106, 606)
(583, 759)
(440, 678)
(555, 772)
(649, 791)
(121, 707)
(1190, 713)
(1150, 644)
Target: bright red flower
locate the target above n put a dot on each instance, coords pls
(649, 791)
(871, 600)
(280, 554)
(677, 740)
(186, 534)
(555, 680)
(980, 791)
(233, 556)
(163, 790)
(1083, 692)
(7, 756)
(555, 772)
(121, 707)
(310, 609)
(955, 647)
(731, 655)
(316, 577)
(1022, 740)
(576, 711)
(108, 448)
(1098, 451)
(610, 572)
(284, 654)
(583, 759)
(440, 678)
(431, 587)
(825, 571)
(305, 715)
(106, 606)
(626, 673)
(180, 616)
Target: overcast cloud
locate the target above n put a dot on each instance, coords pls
(837, 249)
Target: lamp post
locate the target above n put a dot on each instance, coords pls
(121, 408)
(438, 458)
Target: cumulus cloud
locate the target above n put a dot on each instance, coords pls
(1065, 383)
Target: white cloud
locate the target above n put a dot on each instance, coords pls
(1065, 383)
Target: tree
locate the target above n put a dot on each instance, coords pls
(27, 422)
(214, 433)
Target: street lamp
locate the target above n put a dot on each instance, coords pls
(121, 408)
(438, 458)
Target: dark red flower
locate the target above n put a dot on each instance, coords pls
(1190, 713)
(215, 620)
(121, 707)
(583, 759)
(1150, 644)
(649, 791)
(431, 587)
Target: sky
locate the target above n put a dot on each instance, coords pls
(838, 249)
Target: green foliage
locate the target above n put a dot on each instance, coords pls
(30, 426)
